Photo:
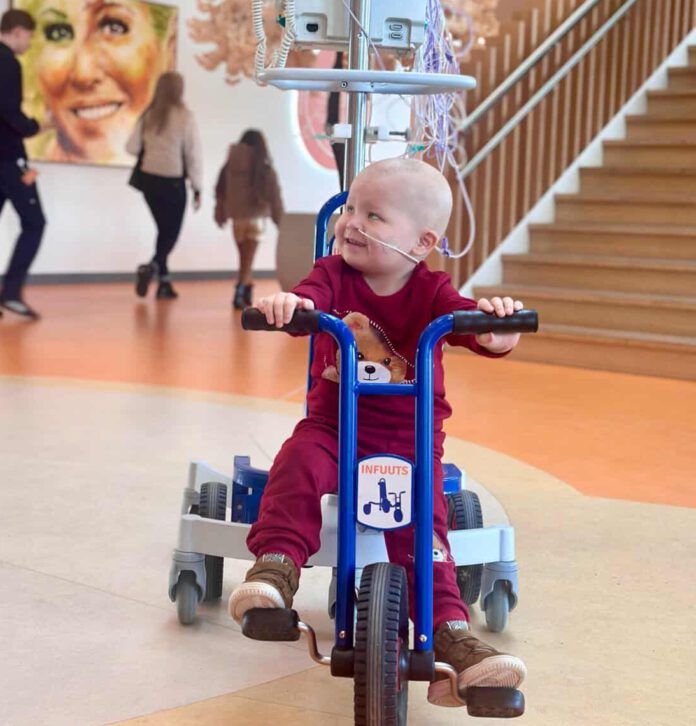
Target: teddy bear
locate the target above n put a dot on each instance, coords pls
(377, 361)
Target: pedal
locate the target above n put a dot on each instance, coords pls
(494, 702)
(278, 624)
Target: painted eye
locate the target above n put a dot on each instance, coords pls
(56, 32)
(361, 356)
(113, 26)
(386, 362)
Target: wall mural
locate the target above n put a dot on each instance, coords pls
(92, 68)
(227, 25)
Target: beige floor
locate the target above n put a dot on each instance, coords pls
(103, 403)
(92, 475)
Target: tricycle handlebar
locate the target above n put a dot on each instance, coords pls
(476, 321)
(465, 321)
(303, 321)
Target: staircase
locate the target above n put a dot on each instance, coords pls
(614, 277)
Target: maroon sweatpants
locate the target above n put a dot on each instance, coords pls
(290, 515)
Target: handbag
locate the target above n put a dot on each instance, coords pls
(136, 179)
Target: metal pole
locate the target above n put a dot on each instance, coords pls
(358, 58)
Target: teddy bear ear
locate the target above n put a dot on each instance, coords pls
(357, 321)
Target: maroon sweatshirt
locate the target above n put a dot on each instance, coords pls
(386, 347)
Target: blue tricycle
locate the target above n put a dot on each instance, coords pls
(372, 628)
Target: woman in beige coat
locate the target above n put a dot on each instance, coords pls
(167, 139)
(247, 192)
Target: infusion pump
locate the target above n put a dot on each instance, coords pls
(394, 24)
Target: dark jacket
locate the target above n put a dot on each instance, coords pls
(235, 198)
(14, 125)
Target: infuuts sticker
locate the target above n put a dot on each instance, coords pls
(385, 492)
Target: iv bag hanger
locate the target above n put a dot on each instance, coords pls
(358, 81)
(363, 81)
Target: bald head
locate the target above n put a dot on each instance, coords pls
(423, 190)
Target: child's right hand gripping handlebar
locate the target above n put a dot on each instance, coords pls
(303, 321)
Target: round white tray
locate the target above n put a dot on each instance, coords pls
(353, 81)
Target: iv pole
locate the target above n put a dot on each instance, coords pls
(358, 59)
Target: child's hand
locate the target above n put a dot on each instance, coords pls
(279, 308)
(499, 342)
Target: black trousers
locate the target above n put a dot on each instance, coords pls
(166, 198)
(25, 200)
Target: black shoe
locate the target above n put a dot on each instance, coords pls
(165, 291)
(242, 297)
(143, 278)
(19, 307)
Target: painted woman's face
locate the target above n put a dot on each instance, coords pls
(97, 64)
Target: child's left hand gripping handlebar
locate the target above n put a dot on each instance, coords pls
(478, 322)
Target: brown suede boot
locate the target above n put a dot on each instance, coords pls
(271, 583)
(478, 664)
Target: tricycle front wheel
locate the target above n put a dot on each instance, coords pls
(381, 647)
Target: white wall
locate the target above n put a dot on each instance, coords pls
(97, 223)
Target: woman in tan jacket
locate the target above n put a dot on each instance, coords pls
(167, 137)
(247, 192)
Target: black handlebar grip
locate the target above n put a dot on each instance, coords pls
(476, 321)
(303, 321)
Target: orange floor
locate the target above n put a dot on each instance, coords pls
(606, 434)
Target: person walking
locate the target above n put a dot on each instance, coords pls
(168, 147)
(247, 192)
(17, 180)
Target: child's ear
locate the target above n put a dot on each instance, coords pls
(426, 242)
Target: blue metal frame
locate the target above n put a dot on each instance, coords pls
(322, 247)
(350, 389)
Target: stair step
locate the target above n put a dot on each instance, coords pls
(640, 354)
(649, 128)
(656, 314)
(650, 153)
(643, 241)
(581, 207)
(639, 182)
(624, 274)
(677, 103)
(683, 78)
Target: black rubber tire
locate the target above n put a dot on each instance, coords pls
(212, 506)
(381, 647)
(464, 510)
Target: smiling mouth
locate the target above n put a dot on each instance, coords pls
(355, 242)
(96, 113)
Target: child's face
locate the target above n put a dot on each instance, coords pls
(374, 205)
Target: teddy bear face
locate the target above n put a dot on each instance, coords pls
(377, 362)
(377, 365)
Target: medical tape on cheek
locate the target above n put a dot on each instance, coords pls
(389, 246)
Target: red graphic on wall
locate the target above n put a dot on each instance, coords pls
(311, 113)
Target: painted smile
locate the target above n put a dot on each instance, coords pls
(98, 112)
